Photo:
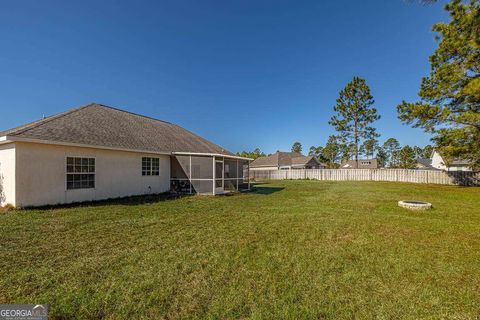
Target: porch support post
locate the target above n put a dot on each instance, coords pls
(190, 174)
(248, 173)
(214, 174)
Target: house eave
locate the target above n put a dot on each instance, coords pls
(80, 145)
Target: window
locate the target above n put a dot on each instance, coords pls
(365, 163)
(80, 173)
(150, 166)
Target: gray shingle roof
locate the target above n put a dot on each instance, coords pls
(103, 126)
(426, 162)
(302, 160)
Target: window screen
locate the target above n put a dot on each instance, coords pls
(150, 166)
(80, 173)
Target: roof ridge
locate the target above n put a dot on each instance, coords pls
(40, 122)
(34, 124)
(129, 112)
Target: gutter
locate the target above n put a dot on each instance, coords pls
(8, 139)
(210, 155)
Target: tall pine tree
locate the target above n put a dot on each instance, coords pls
(297, 147)
(354, 115)
(331, 152)
(369, 147)
(392, 148)
(450, 95)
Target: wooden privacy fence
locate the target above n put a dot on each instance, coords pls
(463, 178)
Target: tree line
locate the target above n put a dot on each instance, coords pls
(390, 154)
(449, 106)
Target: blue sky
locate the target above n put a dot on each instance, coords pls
(243, 74)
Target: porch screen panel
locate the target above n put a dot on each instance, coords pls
(230, 169)
(243, 169)
(230, 185)
(202, 186)
(180, 167)
(202, 167)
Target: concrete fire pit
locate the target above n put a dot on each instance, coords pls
(414, 205)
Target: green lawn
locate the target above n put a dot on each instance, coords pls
(288, 250)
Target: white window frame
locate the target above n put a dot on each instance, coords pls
(78, 173)
(151, 167)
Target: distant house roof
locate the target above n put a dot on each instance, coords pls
(362, 164)
(425, 162)
(281, 159)
(103, 126)
(302, 160)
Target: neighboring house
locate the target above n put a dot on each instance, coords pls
(436, 162)
(425, 164)
(97, 152)
(362, 164)
(286, 160)
(456, 165)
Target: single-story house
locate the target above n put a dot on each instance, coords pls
(285, 160)
(98, 152)
(362, 164)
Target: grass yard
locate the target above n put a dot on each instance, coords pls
(288, 250)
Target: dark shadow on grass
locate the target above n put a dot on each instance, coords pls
(266, 190)
(124, 201)
(465, 178)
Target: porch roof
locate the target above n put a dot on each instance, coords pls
(203, 154)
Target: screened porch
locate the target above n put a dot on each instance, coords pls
(208, 173)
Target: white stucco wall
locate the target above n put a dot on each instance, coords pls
(41, 178)
(7, 174)
(437, 161)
